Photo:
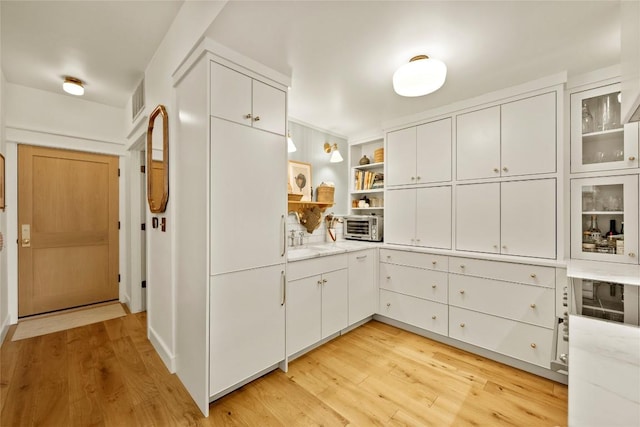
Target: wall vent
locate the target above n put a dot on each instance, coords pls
(137, 101)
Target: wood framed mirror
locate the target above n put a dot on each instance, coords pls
(158, 160)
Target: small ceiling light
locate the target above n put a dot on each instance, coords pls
(73, 86)
(291, 147)
(336, 157)
(420, 76)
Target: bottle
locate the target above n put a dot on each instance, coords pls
(622, 227)
(594, 230)
(587, 119)
(612, 228)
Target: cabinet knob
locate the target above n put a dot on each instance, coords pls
(413, 178)
(434, 262)
(632, 254)
(388, 277)
(505, 169)
(462, 325)
(433, 317)
(417, 178)
(461, 291)
(632, 158)
(433, 286)
(247, 116)
(504, 246)
(319, 282)
(496, 170)
(533, 275)
(532, 305)
(388, 256)
(388, 304)
(533, 345)
(462, 266)
(256, 119)
(324, 280)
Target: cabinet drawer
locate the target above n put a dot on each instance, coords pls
(312, 267)
(417, 282)
(511, 272)
(530, 304)
(518, 340)
(415, 259)
(424, 314)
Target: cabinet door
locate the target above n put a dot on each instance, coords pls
(433, 152)
(478, 144)
(246, 325)
(304, 315)
(478, 217)
(401, 157)
(529, 135)
(433, 217)
(248, 197)
(400, 217)
(230, 94)
(335, 306)
(363, 291)
(269, 108)
(528, 218)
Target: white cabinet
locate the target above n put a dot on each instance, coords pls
(246, 325)
(419, 154)
(599, 141)
(511, 218)
(420, 217)
(363, 290)
(512, 139)
(242, 99)
(317, 300)
(605, 203)
(425, 314)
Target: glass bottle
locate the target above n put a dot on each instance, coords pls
(587, 119)
(622, 227)
(594, 230)
(612, 228)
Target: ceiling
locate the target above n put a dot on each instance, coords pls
(341, 54)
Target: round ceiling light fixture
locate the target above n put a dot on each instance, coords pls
(73, 86)
(420, 76)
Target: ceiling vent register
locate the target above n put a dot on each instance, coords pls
(137, 101)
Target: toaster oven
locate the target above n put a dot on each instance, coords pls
(363, 227)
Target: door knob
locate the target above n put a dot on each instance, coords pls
(256, 119)
(26, 243)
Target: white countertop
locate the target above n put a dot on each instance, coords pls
(604, 373)
(316, 250)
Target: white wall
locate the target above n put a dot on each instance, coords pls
(4, 281)
(187, 29)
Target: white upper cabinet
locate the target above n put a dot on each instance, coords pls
(478, 217)
(242, 99)
(419, 154)
(529, 136)
(478, 144)
(598, 139)
(512, 139)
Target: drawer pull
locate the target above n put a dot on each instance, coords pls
(388, 277)
(462, 266)
(505, 169)
(433, 286)
(533, 275)
(319, 282)
(461, 291)
(324, 280)
(532, 306)
(388, 256)
(247, 116)
(388, 304)
(533, 345)
(433, 317)
(434, 262)
(632, 255)
(462, 325)
(361, 257)
(504, 246)
(496, 170)
(632, 158)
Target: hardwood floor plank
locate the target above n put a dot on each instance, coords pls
(9, 355)
(140, 386)
(51, 406)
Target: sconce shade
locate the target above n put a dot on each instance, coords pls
(291, 147)
(420, 76)
(336, 157)
(73, 86)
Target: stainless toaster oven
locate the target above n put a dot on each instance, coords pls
(363, 227)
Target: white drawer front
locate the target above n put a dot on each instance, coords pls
(511, 272)
(424, 314)
(525, 303)
(415, 259)
(518, 340)
(312, 267)
(417, 282)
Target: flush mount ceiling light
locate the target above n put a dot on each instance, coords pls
(336, 157)
(420, 76)
(291, 147)
(73, 86)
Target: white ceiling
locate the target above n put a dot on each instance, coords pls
(341, 55)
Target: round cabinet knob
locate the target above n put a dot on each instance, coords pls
(256, 119)
(319, 282)
(462, 266)
(533, 275)
(533, 345)
(388, 256)
(388, 304)
(418, 178)
(461, 291)
(433, 286)
(495, 246)
(496, 170)
(632, 158)
(532, 305)
(632, 254)
(413, 178)
(504, 246)
(247, 116)
(434, 262)
(433, 317)
(462, 325)
(417, 240)
(324, 280)
(505, 169)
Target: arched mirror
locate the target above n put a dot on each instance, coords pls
(158, 160)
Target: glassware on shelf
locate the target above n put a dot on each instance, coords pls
(587, 119)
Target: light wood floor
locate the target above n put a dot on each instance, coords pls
(108, 374)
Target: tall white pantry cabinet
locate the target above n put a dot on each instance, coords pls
(230, 160)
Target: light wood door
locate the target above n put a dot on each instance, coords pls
(68, 229)
(478, 217)
(401, 157)
(400, 224)
(433, 152)
(433, 217)
(478, 144)
(269, 108)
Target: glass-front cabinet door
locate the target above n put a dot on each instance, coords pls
(604, 219)
(599, 141)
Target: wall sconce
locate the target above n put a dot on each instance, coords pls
(291, 147)
(336, 157)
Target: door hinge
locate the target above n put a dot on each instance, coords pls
(118, 171)
(144, 283)
(143, 169)
(118, 278)
(118, 225)
(143, 227)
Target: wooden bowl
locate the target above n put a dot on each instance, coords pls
(294, 197)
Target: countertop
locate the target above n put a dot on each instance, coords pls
(298, 253)
(604, 373)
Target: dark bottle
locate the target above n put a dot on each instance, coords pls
(612, 228)
(622, 227)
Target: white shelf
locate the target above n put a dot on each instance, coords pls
(369, 166)
(603, 132)
(373, 190)
(602, 213)
(368, 209)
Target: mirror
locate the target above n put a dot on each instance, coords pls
(158, 160)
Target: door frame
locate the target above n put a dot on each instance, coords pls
(134, 217)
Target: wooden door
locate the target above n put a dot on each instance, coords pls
(478, 144)
(67, 228)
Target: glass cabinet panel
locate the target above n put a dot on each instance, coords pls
(599, 141)
(605, 218)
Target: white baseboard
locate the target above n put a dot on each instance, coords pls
(4, 328)
(167, 357)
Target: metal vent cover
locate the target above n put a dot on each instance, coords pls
(137, 101)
